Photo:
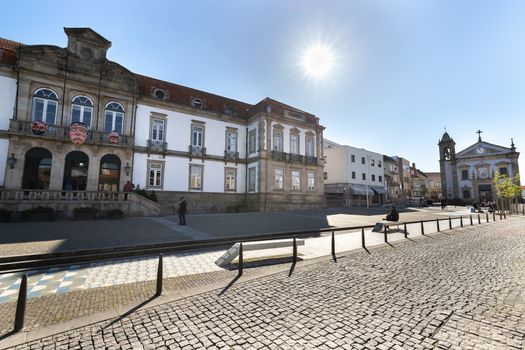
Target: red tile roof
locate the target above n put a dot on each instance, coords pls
(8, 51)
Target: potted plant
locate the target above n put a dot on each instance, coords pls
(5, 215)
(115, 214)
(39, 214)
(85, 213)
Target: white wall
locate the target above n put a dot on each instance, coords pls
(336, 165)
(4, 144)
(176, 173)
(178, 131)
(7, 100)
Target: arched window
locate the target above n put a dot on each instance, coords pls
(82, 110)
(37, 169)
(109, 176)
(114, 118)
(76, 171)
(45, 106)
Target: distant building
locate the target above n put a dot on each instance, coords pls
(425, 185)
(468, 174)
(353, 176)
(398, 180)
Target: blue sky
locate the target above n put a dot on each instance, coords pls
(403, 69)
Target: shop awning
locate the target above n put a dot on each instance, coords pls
(379, 190)
(360, 189)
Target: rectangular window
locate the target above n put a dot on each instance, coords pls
(380, 178)
(296, 180)
(362, 160)
(464, 174)
(503, 171)
(252, 141)
(311, 182)
(231, 141)
(251, 179)
(279, 178)
(353, 175)
(310, 147)
(373, 177)
(113, 122)
(379, 164)
(372, 162)
(294, 144)
(325, 175)
(195, 177)
(364, 176)
(230, 179)
(277, 141)
(157, 130)
(155, 175)
(197, 136)
(352, 157)
(466, 194)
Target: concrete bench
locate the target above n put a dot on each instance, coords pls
(382, 225)
(233, 252)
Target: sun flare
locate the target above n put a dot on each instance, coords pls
(317, 61)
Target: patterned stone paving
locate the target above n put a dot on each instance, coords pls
(459, 290)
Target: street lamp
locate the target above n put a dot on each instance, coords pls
(11, 161)
(127, 168)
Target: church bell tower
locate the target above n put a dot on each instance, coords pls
(447, 166)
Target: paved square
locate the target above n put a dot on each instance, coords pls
(459, 290)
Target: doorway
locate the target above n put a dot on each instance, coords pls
(37, 169)
(76, 171)
(109, 176)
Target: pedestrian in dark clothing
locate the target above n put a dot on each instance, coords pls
(443, 203)
(393, 215)
(182, 211)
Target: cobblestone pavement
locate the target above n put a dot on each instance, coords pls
(137, 269)
(460, 290)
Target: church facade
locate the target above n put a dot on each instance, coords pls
(468, 174)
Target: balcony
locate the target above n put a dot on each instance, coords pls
(278, 155)
(295, 158)
(311, 160)
(197, 152)
(231, 156)
(61, 133)
(157, 146)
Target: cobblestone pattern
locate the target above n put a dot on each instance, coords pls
(401, 297)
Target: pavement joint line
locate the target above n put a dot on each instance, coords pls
(113, 313)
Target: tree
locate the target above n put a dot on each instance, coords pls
(508, 187)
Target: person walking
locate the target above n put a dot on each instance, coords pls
(182, 211)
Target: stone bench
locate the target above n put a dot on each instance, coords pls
(380, 226)
(233, 252)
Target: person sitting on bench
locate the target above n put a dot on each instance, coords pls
(393, 215)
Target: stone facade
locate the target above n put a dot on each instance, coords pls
(468, 174)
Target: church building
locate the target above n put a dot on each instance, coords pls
(469, 174)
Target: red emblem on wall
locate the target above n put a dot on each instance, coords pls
(114, 137)
(38, 127)
(78, 133)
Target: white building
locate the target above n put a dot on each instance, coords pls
(217, 152)
(353, 176)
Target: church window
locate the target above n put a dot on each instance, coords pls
(45, 103)
(503, 171)
(464, 174)
(447, 153)
(113, 118)
(82, 110)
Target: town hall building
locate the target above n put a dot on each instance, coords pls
(469, 174)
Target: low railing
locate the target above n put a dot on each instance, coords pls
(157, 146)
(62, 132)
(41, 261)
(231, 156)
(54, 195)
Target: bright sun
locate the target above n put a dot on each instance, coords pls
(317, 61)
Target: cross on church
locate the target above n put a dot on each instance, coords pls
(479, 133)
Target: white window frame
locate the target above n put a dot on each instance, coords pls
(252, 179)
(46, 102)
(197, 136)
(279, 178)
(277, 140)
(82, 110)
(231, 141)
(252, 141)
(114, 114)
(309, 146)
(158, 126)
(230, 179)
(311, 182)
(196, 177)
(294, 144)
(296, 180)
(157, 176)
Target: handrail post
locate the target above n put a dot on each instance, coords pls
(241, 260)
(363, 237)
(461, 221)
(21, 304)
(487, 215)
(405, 229)
(294, 250)
(437, 224)
(449, 223)
(494, 215)
(386, 238)
(422, 228)
(471, 223)
(333, 246)
(479, 219)
(504, 215)
(500, 215)
(159, 276)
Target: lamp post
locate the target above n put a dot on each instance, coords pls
(11, 161)
(367, 179)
